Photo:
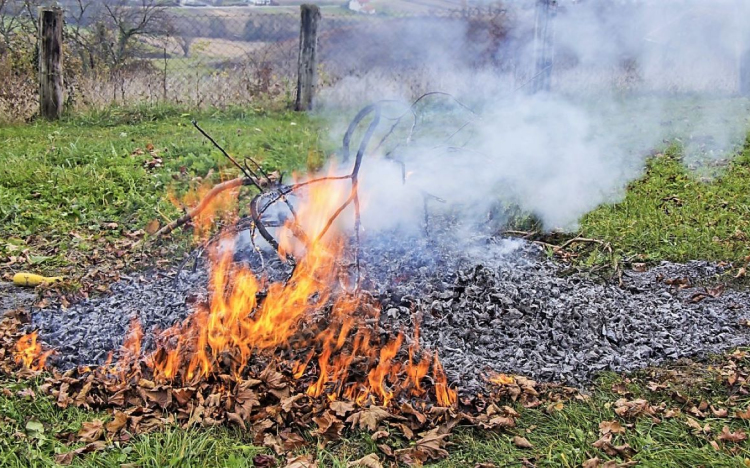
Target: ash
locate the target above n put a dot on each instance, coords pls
(494, 305)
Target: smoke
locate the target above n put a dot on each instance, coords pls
(627, 77)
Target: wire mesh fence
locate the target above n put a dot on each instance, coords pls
(126, 52)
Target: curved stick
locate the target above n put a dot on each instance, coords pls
(204, 203)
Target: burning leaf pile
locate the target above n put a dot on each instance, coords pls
(318, 329)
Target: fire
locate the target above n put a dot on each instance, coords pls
(29, 352)
(235, 325)
(502, 379)
(220, 206)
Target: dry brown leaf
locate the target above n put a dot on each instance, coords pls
(503, 379)
(592, 463)
(329, 426)
(429, 447)
(342, 408)
(734, 437)
(605, 444)
(67, 458)
(119, 421)
(719, 412)
(274, 443)
(369, 461)
(694, 425)
(743, 414)
(368, 418)
(620, 388)
(388, 451)
(610, 427)
(91, 431)
(292, 441)
(522, 442)
(380, 435)
(264, 461)
(303, 461)
(289, 404)
(406, 408)
(236, 419)
(161, 397)
(633, 409)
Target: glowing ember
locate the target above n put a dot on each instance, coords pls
(29, 352)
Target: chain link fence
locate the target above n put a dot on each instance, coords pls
(124, 52)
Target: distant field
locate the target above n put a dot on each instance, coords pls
(391, 7)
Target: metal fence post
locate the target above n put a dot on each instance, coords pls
(544, 33)
(308, 45)
(50, 62)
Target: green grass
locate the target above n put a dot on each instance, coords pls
(81, 174)
(560, 436)
(673, 213)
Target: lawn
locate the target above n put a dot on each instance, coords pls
(81, 192)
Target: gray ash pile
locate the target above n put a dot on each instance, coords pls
(497, 306)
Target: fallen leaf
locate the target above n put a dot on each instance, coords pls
(34, 428)
(302, 461)
(693, 424)
(719, 412)
(610, 427)
(633, 409)
(152, 227)
(264, 461)
(329, 426)
(369, 461)
(522, 442)
(120, 419)
(605, 444)
(502, 379)
(368, 418)
(342, 408)
(91, 431)
(430, 447)
(734, 437)
(743, 414)
(67, 458)
(716, 291)
(592, 463)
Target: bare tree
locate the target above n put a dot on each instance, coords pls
(130, 21)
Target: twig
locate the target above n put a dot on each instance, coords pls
(204, 203)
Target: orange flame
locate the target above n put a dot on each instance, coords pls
(29, 352)
(222, 206)
(235, 325)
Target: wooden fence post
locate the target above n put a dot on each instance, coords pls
(544, 33)
(50, 62)
(308, 45)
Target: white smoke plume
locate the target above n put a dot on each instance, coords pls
(627, 77)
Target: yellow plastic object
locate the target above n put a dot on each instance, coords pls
(31, 280)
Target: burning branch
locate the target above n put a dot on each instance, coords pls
(204, 203)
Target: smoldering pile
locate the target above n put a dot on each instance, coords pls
(501, 306)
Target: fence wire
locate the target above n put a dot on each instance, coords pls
(123, 52)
